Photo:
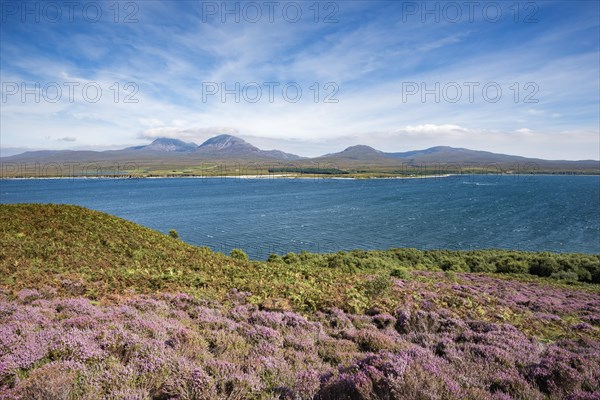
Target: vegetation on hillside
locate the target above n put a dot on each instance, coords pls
(93, 306)
(567, 267)
(140, 168)
(178, 347)
(85, 252)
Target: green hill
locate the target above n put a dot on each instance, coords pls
(97, 252)
(77, 251)
(83, 252)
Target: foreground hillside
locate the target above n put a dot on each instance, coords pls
(93, 306)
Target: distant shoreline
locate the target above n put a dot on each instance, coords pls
(272, 177)
(248, 177)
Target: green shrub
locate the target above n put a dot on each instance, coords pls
(512, 266)
(378, 286)
(173, 233)
(483, 266)
(239, 254)
(584, 275)
(335, 261)
(400, 273)
(344, 261)
(274, 258)
(477, 263)
(450, 275)
(543, 266)
(375, 262)
(454, 264)
(568, 276)
(291, 258)
(592, 265)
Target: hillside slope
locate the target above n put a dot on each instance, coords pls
(400, 324)
(174, 346)
(92, 253)
(81, 252)
(84, 252)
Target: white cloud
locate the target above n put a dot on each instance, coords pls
(524, 131)
(187, 134)
(369, 61)
(435, 129)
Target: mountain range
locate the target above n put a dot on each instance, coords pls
(232, 148)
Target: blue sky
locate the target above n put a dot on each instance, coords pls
(373, 58)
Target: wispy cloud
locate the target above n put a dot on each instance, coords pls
(67, 139)
(368, 57)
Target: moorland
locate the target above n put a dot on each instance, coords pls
(93, 306)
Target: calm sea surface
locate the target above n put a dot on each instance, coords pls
(263, 216)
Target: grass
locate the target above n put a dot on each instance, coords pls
(85, 252)
(235, 168)
(80, 252)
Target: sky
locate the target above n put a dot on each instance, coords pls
(304, 77)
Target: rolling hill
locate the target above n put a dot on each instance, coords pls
(444, 155)
(165, 156)
(358, 153)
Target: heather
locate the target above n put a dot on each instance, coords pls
(92, 306)
(175, 346)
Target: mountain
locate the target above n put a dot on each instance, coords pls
(439, 155)
(447, 155)
(228, 149)
(222, 148)
(358, 153)
(166, 145)
(453, 154)
(228, 146)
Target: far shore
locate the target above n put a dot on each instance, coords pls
(273, 176)
(269, 176)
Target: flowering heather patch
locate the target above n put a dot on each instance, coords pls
(179, 347)
(546, 311)
(81, 317)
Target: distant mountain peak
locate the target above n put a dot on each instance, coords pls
(360, 148)
(168, 145)
(235, 147)
(231, 148)
(167, 141)
(225, 141)
(358, 152)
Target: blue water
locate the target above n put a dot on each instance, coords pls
(554, 213)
